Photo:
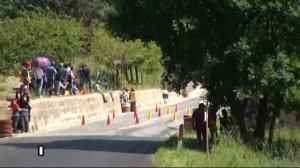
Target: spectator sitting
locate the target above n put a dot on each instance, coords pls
(105, 84)
(63, 87)
(97, 89)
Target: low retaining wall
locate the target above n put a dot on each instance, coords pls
(61, 112)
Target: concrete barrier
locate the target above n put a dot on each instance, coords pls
(61, 112)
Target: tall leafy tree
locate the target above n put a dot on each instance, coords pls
(239, 50)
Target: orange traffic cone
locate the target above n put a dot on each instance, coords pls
(83, 121)
(108, 120)
(135, 112)
(137, 121)
(176, 108)
(159, 112)
(114, 114)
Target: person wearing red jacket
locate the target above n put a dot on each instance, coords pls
(15, 114)
(198, 123)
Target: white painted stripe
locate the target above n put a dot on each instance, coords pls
(40, 150)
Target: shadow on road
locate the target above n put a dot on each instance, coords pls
(90, 143)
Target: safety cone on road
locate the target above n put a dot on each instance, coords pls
(108, 120)
(114, 114)
(176, 108)
(83, 121)
(159, 112)
(175, 117)
(150, 116)
(137, 121)
(169, 111)
(190, 111)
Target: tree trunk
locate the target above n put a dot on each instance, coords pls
(238, 110)
(261, 119)
(126, 73)
(272, 128)
(117, 78)
(131, 74)
(136, 74)
(212, 122)
(142, 77)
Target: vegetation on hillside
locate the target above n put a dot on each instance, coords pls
(74, 32)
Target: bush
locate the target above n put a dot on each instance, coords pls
(36, 34)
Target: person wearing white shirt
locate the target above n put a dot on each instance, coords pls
(38, 74)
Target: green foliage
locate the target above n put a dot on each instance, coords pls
(227, 153)
(237, 49)
(27, 37)
(90, 13)
(107, 48)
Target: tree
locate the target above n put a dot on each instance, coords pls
(143, 57)
(238, 50)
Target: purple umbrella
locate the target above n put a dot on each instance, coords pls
(41, 62)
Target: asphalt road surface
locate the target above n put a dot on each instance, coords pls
(122, 144)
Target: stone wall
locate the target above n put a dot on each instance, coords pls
(61, 112)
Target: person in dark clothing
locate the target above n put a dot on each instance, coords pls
(50, 73)
(61, 75)
(87, 76)
(224, 122)
(81, 78)
(25, 108)
(198, 123)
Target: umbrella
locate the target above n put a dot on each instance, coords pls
(41, 62)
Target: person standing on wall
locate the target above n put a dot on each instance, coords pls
(38, 74)
(88, 77)
(132, 98)
(25, 74)
(51, 73)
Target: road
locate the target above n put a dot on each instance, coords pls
(122, 144)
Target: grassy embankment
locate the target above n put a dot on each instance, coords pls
(230, 152)
(6, 91)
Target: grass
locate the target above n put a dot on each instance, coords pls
(230, 152)
(6, 85)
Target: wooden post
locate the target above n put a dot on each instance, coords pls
(207, 142)
(180, 136)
